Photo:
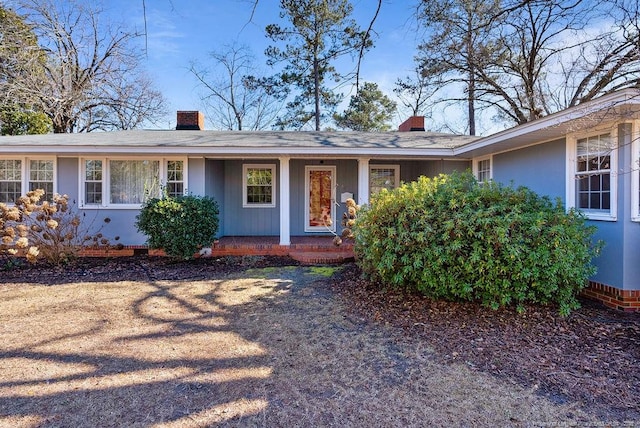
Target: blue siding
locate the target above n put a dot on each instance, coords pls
(239, 221)
(618, 265)
(68, 176)
(540, 168)
(195, 173)
(610, 261)
(214, 187)
(630, 235)
(411, 170)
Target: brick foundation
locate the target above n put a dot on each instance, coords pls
(307, 253)
(622, 300)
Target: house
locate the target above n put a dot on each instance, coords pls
(289, 184)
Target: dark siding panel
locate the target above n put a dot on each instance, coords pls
(214, 187)
(196, 180)
(239, 221)
(68, 175)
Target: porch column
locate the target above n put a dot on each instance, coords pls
(285, 202)
(363, 181)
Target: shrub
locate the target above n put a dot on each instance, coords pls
(49, 230)
(179, 225)
(451, 237)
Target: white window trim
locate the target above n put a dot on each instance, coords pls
(307, 170)
(634, 168)
(476, 166)
(245, 167)
(571, 162)
(25, 172)
(395, 167)
(106, 177)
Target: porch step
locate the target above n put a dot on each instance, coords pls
(321, 257)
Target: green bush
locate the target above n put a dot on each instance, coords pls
(181, 225)
(451, 237)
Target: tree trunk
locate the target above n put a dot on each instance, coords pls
(316, 91)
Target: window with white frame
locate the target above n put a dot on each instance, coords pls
(383, 177)
(18, 176)
(175, 178)
(258, 184)
(483, 170)
(129, 182)
(10, 180)
(41, 177)
(592, 174)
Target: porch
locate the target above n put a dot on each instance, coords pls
(305, 249)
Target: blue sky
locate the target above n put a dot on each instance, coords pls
(181, 31)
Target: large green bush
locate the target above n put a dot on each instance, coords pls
(181, 225)
(452, 237)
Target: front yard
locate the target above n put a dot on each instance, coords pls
(260, 342)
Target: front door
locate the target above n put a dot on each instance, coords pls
(320, 214)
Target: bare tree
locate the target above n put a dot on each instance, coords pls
(415, 92)
(92, 77)
(461, 42)
(233, 94)
(537, 56)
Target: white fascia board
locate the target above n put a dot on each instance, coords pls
(228, 151)
(626, 96)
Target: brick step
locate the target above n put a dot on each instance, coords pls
(321, 257)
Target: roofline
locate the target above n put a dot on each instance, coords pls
(625, 96)
(230, 151)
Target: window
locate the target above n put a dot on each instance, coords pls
(175, 178)
(132, 181)
(593, 173)
(483, 170)
(128, 182)
(41, 177)
(593, 164)
(259, 186)
(18, 176)
(10, 180)
(383, 177)
(93, 182)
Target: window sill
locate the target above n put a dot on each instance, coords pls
(259, 206)
(111, 207)
(599, 217)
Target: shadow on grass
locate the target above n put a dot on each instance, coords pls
(136, 353)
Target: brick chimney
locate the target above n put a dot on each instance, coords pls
(190, 120)
(414, 123)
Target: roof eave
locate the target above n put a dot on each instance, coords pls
(556, 125)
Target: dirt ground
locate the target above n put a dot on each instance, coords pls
(260, 341)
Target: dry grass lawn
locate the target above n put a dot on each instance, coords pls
(264, 347)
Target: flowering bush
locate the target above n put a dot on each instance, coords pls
(50, 230)
(348, 222)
